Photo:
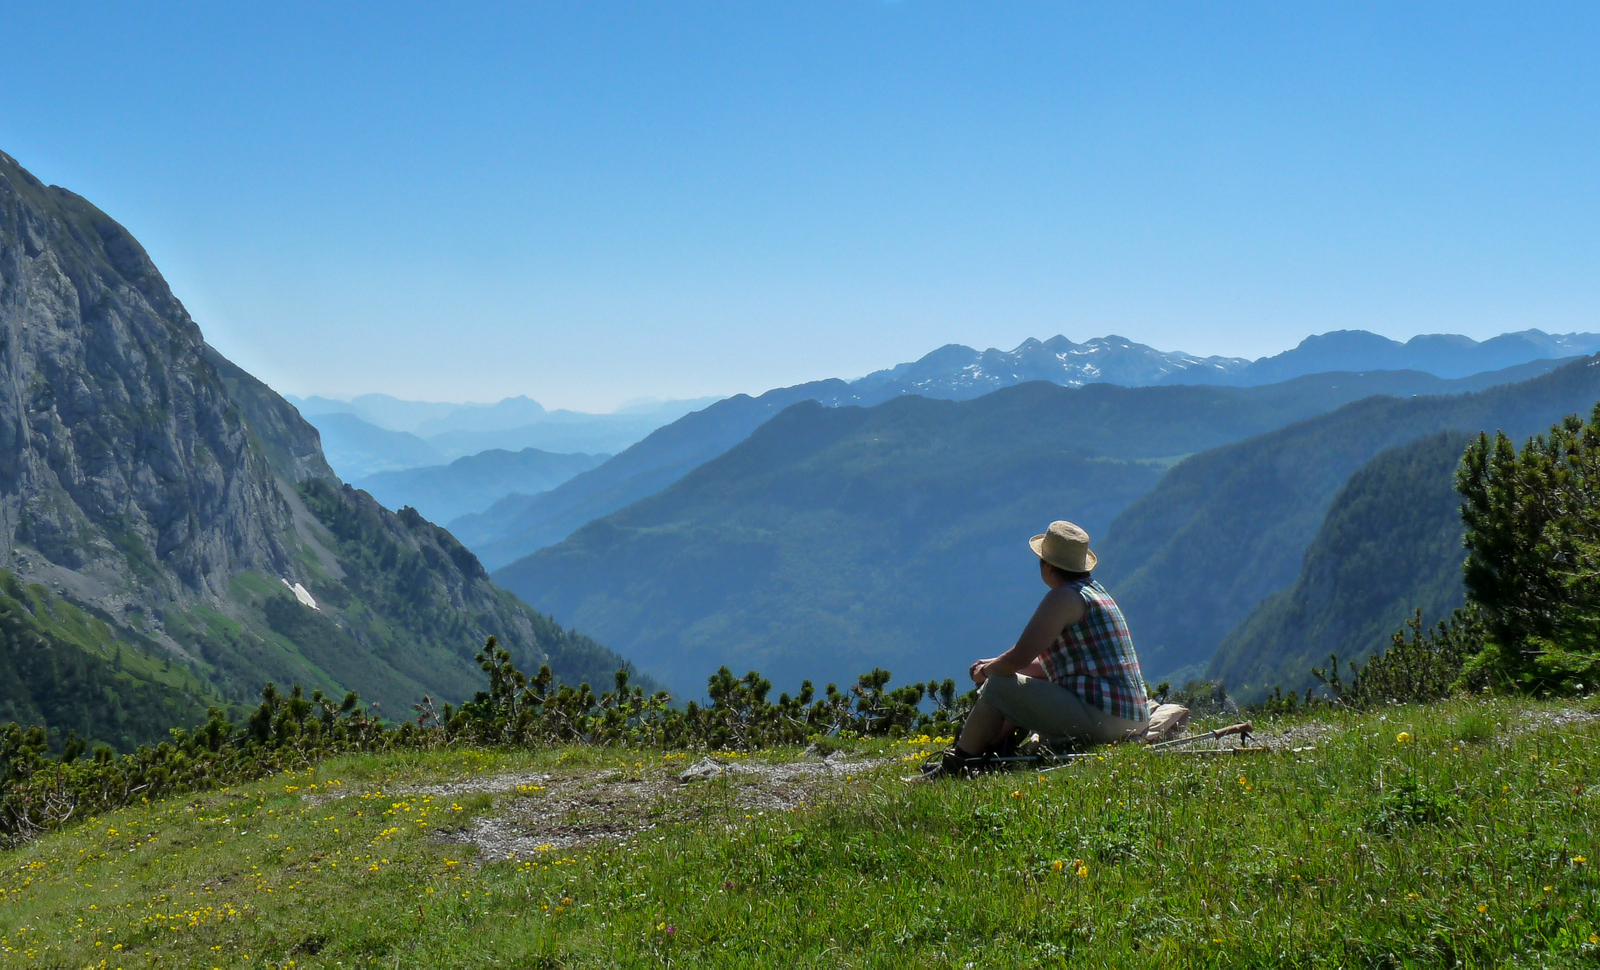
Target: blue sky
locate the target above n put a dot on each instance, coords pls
(591, 202)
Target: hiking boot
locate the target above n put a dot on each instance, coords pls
(950, 764)
(1013, 743)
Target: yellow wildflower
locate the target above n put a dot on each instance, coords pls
(1403, 737)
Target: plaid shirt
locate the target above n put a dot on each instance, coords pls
(1094, 658)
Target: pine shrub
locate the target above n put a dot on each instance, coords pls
(290, 731)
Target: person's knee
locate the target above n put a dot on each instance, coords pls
(1005, 695)
(998, 687)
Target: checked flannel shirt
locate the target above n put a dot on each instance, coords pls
(1094, 658)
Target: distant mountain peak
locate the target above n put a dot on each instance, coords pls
(960, 372)
(1441, 354)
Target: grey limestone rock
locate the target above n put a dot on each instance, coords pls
(705, 768)
(149, 480)
(120, 445)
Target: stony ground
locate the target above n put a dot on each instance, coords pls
(545, 811)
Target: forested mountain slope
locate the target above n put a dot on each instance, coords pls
(172, 502)
(1390, 544)
(1230, 526)
(69, 668)
(521, 524)
(834, 539)
(837, 539)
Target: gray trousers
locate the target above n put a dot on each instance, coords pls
(1055, 712)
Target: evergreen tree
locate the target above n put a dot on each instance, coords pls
(1533, 556)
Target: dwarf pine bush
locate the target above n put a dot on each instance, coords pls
(1424, 666)
(291, 731)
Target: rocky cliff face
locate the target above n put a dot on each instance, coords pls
(123, 458)
(150, 482)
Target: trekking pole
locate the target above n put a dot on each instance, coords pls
(1242, 729)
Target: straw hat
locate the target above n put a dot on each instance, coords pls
(1065, 546)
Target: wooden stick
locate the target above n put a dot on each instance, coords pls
(1251, 749)
(1243, 729)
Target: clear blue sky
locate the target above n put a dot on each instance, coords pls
(589, 202)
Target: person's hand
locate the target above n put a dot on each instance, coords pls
(976, 671)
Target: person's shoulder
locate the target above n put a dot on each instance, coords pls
(1067, 596)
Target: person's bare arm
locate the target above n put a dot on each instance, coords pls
(1060, 608)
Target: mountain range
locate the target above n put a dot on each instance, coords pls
(959, 373)
(522, 524)
(1444, 355)
(833, 539)
(377, 433)
(171, 534)
(428, 419)
(444, 492)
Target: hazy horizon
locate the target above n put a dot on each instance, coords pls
(597, 203)
(650, 400)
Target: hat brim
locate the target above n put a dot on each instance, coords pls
(1090, 560)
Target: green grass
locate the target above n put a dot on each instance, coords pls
(1364, 851)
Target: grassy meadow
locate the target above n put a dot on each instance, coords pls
(1458, 834)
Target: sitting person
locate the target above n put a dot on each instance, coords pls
(1072, 677)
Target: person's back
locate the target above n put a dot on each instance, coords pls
(1094, 657)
